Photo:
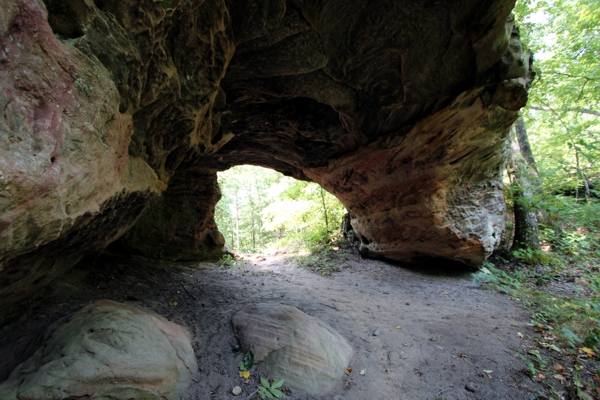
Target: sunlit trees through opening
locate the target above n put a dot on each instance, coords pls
(262, 211)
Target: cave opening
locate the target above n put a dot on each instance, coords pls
(263, 211)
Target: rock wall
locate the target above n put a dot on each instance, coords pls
(181, 225)
(68, 184)
(436, 190)
(398, 108)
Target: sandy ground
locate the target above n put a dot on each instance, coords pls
(440, 334)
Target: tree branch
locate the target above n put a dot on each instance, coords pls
(580, 110)
(574, 76)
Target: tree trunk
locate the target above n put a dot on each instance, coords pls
(252, 213)
(520, 173)
(324, 209)
(237, 223)
(525, 147)
(532, 171)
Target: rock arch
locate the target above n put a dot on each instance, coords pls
(117, 115)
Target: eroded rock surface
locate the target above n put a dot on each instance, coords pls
(107, 350)
(116, 109)
(286, 342)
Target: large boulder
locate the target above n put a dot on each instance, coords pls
(107, 350)
(289, 344)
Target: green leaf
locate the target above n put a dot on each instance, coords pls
(241, 366)
(264, 392)
(248, 361)
(278, 393)
(265, 382)
(277, 384)
(573, 338)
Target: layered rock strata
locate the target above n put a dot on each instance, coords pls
(398, 108)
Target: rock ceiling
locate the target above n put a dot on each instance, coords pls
(119, 113)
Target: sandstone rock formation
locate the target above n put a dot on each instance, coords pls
(107, 350)
(120, 112)
(288, 343)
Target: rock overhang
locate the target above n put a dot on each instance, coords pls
(400, 109)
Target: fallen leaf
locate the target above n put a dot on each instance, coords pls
(398, 327)
(488, 371)
(173, 303)
(519, 334)
(553, 347)
(560, 377)
(348, 371)
(463, 355)
(244, 374)
(587, 351)
(363, 372)
(541, 376)
(559, 368)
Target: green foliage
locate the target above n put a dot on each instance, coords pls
(227, 261)
(563, 115)
(262, 210)
(530, 365)
(167, 3)
(531, 257)
(247, 363)
(270, 390)
(571, 318)
(572, 229)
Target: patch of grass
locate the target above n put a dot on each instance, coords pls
(323, 260)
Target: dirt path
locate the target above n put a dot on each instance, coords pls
(437, 333)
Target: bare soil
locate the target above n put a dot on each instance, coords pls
(441, 336)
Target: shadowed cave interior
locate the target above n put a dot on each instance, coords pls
(119, 114)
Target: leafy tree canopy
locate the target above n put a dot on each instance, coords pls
(563, 114)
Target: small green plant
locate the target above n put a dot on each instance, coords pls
(530, 365)
(247, 363)
(531, 257)
(268, 390)
(227, 261)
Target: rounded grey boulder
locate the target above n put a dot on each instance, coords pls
(289, 344)
(107, 350)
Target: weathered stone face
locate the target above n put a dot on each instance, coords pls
(287, 342)
(398, 108)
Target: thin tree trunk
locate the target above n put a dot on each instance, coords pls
(252, 212)
(524, 146)
(526, 229)
(533, 174)
(324, 208)
(237, 223)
